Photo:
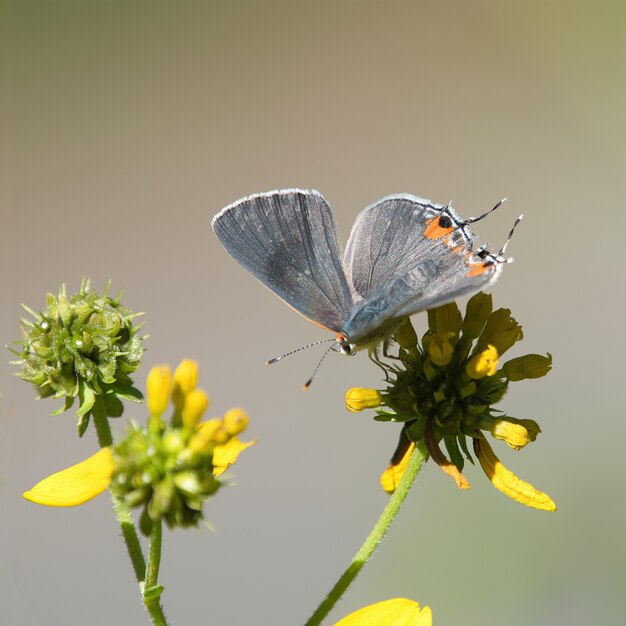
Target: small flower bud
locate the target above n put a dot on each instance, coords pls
(359, 398)
(205, 435)
(185, 380)
(196, 403)
(445, 319)
(158, 388)
(483, 364)
(477, 311)
(501, 331)
(528, 366)
(235, 421)
(440, 349)
(513, 434)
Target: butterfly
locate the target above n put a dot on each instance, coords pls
(405, 254)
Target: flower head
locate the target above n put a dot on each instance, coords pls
(82, 346)
(167, 469)
(444, 390)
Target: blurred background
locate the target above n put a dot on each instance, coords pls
(127, 125)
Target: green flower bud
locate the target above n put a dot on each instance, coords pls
(405, 335)
(501, 331)
(477, 312)
(528, 366)
(81, 346)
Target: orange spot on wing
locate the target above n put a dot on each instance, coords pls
(479, 269)
(435, 231)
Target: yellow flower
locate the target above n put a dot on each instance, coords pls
(443, 391)
(483, 364)
(507, 482)
(75, 485)
(394, 612)
(169, 468)
(359, 398)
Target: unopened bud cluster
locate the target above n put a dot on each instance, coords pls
(82, 346)
(171, 467)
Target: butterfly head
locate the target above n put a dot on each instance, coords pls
(343, 346)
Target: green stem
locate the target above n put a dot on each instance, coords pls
(125, 519)
(152, 591)
(374, 538)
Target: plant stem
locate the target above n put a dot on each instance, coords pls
(152, 592)
(374, 538)
(122, 513)
(127, 524)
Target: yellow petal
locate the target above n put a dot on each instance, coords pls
(224, 456)
(394, 612)
(507, 482)
(75, 485)
(391, 477)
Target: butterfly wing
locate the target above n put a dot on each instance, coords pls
(287, 240)
(406, 254)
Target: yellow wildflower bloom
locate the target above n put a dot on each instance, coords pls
(443, 390)
(507, 482)
(394, 612)
(75, 485)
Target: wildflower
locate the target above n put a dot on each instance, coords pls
(394, 612)
(444, 390)
(82, 346)
(168, 470)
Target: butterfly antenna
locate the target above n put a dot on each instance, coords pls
(307, 384)
(471, 220)
(508, 239)
(310, 345)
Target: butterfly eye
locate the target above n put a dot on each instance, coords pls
(346, 348)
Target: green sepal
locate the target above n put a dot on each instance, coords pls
(114, 406)
(452, 447)
(463, 443)
(69, 401)
(145, 523)
(127, 392)
(83, 423)
(87, 399)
